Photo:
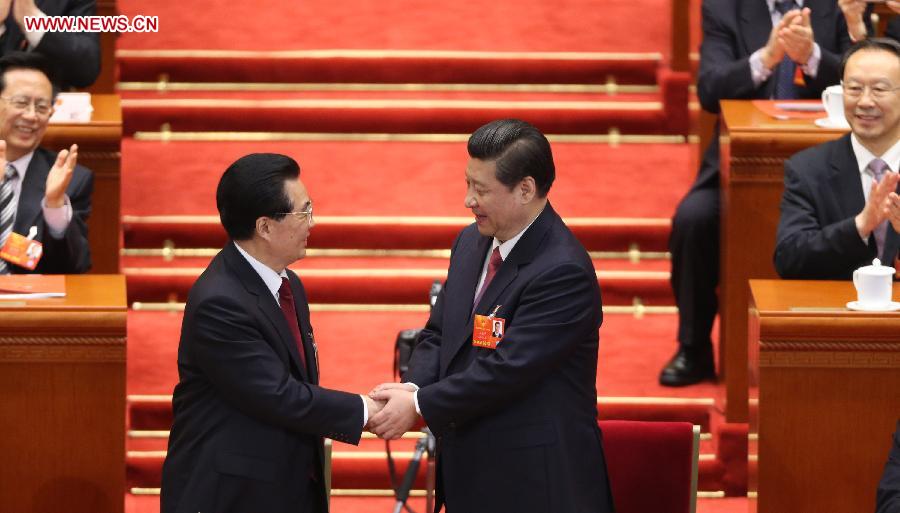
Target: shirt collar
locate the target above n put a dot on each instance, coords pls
(21, 164)
(268, 275)
(771, 4)
(507, 247)
(864, 156)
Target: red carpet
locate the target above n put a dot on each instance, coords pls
(406, 178)
(527, 25)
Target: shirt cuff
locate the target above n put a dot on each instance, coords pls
(58, 218)
(758, 72)
(34, 38)
(365, 412)
(811, 68)
(416, 402)
(415, 396)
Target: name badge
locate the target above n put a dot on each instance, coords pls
(22, 251)
(488, 330)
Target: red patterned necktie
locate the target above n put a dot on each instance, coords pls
(493, 265)
(286, 300)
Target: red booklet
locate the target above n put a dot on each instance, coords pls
(34, 286)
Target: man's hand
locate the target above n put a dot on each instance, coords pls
(854, 10)
(773, 52)
(392, 386)
(4, 8)
(373, 407)
(397, 416)
(22, 8)
(59, 177)
(796, 35)
(892, 210)
(876, 209)
(894, 5)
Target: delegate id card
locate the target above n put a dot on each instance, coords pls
(22, 251)
(487, 330)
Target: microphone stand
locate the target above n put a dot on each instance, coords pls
(425, 445)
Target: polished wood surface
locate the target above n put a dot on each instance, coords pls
(754, 147)
(827, 383)
(106, 82)
(99, 148)
(62, 399)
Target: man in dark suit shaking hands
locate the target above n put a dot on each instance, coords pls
(516, 418)
(249, 414)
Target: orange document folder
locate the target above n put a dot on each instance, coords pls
(32, 286)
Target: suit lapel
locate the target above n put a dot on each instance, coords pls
(844, 183)
(755, 24)
(29, 210)
(265, 302)
(309, 343)
(522, 253)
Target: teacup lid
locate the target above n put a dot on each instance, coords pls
(876, 268)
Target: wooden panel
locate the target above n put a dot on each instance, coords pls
(106, 82)
(62, 399)
(829, 397)
(99, 148)
(754, 148)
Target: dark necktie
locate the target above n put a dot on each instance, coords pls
(493, 265)
(7, 211)
(879, 168)
(286, 300)
(785, 89)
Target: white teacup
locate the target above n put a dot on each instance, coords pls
(833, 101)
(873, 285)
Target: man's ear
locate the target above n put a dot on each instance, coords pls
(527, 189)
(264, 227)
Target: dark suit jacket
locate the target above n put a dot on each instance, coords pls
(75, 56)
(888, 497)
(249, 418)
(517, 425)
(732, 31)
(817, 237)
(71, 254)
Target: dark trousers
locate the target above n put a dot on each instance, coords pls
(694, 244)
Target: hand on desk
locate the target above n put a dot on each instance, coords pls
(399, 413)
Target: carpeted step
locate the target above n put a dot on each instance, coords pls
(393, 232)
(387, 66)
(385, 286)
(368, 503)
(356, 352)
(385, 186)
(401, 116)
(423, 92)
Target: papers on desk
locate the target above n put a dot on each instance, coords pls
(800, 106)
(32, 286)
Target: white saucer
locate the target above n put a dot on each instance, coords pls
(893, 306)
(827, 123)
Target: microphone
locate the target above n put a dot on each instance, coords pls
(434, 292)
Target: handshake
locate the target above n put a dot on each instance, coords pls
(392, 410)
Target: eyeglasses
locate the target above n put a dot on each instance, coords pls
(878, 91)
(21, 103)
(300, 214)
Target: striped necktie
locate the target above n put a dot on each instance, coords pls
(785, 89)
(7, 210)
(878, 168)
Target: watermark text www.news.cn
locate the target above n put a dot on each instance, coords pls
(91, 23)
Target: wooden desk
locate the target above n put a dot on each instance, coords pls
(99, 148)
(754, 147)
(62, 399)
(829, 396)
